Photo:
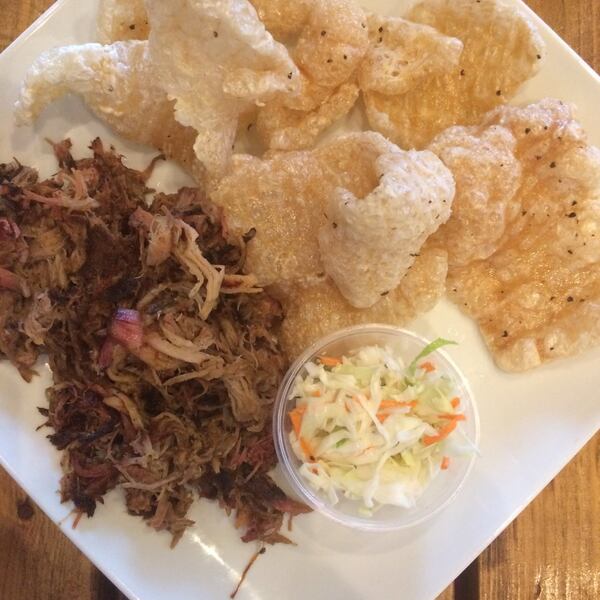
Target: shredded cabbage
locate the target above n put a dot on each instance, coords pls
(370, 428)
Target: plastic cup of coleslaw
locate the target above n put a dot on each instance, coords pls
(441, 490)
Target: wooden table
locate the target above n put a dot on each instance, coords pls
(550, 552)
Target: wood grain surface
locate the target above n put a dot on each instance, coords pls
(550, 552)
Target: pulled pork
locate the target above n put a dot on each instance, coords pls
(164, 360)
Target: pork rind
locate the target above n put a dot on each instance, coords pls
(538, 128)
(120, 20)
(487, 175)
(320, 309)
(537, 297)
(118, 85)
(283, 128)
(369, 242)
(310, 96)
(283, 18)
(502, 50)
(282, 200)
(333, 42)
(285, 199)
(328, 51)
(216, 60)
(402, 53)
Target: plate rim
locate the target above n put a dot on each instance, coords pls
(584, 439)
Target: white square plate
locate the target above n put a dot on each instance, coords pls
(531, 424)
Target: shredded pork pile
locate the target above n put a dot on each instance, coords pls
(164, 362)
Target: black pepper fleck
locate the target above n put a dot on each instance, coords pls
(290, 75)
(552, 298)
(380, 40)
(323, 32)
(570, 298)
(505, 334)
(572, 215)
(334, 225)
(132, 27)
(574, 203)
(330, 60)
(345, 57)
(384, 293)
(527, 131)
(553, 165)
(380, 30)
(462, 72)
(498, 92)
(215, 34)
(539, 57)
(570, 251)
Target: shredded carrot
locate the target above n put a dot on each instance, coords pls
(455, 402)
(329, 361)
(306, 447)
(442, 433)
(428, 367)
(397, 403)
(296, 417)
(317, 394)
(388, 404)
(459, 417)
(445, 463)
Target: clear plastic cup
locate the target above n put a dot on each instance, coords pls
(441, 490)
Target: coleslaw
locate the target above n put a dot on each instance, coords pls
(374, 429)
